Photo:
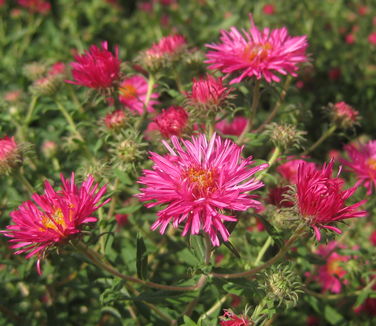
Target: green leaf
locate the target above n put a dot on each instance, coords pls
(232, 248)
(332, 315)
(188, 321)
(142, 258)
(198, 246)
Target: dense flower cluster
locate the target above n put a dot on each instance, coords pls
(259, 54)
(199, 181)
(54, 217)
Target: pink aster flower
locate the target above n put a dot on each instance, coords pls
(172, 122)
(259, 54)
(372, 38)
(230, 319)
(321, 200)
(200, 182)
(168, 45)
(331, 275)
(235, 127)
(40, 6)
(10, 155)
(115, 120)
(362, 161)
(208, 93)
(268, 9)
(54, 217)
(344, 115)
(289, 170)
(96, 68)
(132, 93)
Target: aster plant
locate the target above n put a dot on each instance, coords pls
(228, 194)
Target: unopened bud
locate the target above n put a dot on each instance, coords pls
(343, 115)
(10, 155)
(285, 136)
(34, 70)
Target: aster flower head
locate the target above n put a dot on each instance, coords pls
(331, 275)
(132, 93)
(321, 200)
(231, 319)
(208, 94)
(97, 68)
(53, 217)
(235, 127)
(362, 162)
(10, 155)
(289, 169)
(259, 54)
(172, 121)
(199, 182)
(343, 115)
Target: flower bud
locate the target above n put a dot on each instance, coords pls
(46, 86)
(115, 120)
(49, 148)
(285, 136)
(343, 115)
(172, 122)
(282, 285)
(10, 155)
(34, 70)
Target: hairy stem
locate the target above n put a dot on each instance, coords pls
(324, 136)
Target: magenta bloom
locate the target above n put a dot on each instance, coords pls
(230, 319)
(321, 200)
(372, 38)
(362, 161)
(289, 170)
(168, 45)
(133, 92)
(96, 68)
(172, 122)
(199, 182)
(40, 6)
(330, 274)
(208, 92)
(54, 217)
(259, 54)
(343, 114)
(235, 127)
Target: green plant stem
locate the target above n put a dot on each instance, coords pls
(208, 246)
(30, 110)
(252, 115)
(113, 200)
(282, 252)
(70, 121)
(100, 262)
(265, 247)
(115, 97)
(272, 160)
(217, 305)
(25, 182)
(324, 136)
(75, 99)
(151, 83)
(277, 106)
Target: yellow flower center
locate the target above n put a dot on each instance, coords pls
(54, 220)
(371, 163)
(334, 267)
(257, 51)
(204, 180)
(128, 91)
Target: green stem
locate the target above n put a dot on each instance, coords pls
(324, 136)
(282, 252)
(252, 116)
(69, 119)
(115, 97)
(30, 110)
(75, 99)
(217, 305)
(277, 106)
(25, 183)
(151, 82)
(100, 262)
(272, 160)
(265, 247)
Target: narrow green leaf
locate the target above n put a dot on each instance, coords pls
(142, 258)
